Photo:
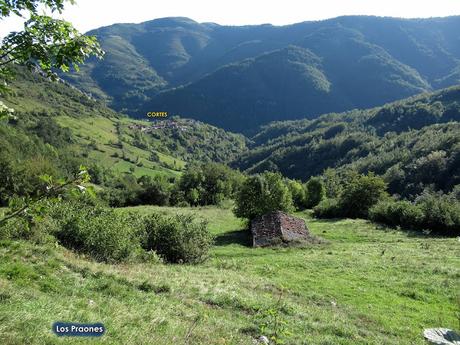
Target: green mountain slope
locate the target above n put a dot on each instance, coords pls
(55, 120)
(290, 80)
(413, 143)
(202, 71)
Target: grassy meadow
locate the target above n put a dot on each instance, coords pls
(101, 132)
(365, 285)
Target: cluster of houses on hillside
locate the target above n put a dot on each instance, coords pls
(167, 124)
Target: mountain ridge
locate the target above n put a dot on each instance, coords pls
(369, 61)
(413, 143)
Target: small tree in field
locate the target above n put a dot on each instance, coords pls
(361, 193)
(298, 193)
(262, 194)
(315, 192)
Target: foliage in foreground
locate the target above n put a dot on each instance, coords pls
(45, 43)
(178, 238)
(108, 235)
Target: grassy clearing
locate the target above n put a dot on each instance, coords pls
(100, 129)
(101, 132)
(365, 286)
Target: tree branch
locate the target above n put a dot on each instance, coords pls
(43, 196)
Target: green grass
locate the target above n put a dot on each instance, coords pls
(102, 131)
(366, 285)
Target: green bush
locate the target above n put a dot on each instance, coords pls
(298, 193)
(261, 194)
(32, 227)
(438, 213)
(360, 194)
(102, 233)
(397, 213)
(441, 213)
(13, 229)
(328, 208)
(207, 184)
(155, 190)
(178, 239)
(315, 192)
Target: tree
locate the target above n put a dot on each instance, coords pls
(332, 183)
(7, 178)
(32, 208)
(155, 190)
(298, 193)
(361, 193)
(315, 192)
(45, 43)
(209, 184)
(261, 194)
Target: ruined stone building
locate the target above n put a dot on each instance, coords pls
(277, 228)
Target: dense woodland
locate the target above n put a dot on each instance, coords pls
(414, 144)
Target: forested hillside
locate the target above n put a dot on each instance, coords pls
(57, 128)
(236, 77)
(414, 144)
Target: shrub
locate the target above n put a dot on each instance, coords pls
(315, 192)
(31, 227)
(328, 208)
(360, 194)
(208, 184)
(178, 239)
(332, 183)
(262, 194)
(397, 213)
(298, 193)
(155, 190)
(441, 213)
(13, 229)
(99, 232)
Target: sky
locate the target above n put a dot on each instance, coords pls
(91, 14)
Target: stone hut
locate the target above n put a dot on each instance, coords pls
(277, 228)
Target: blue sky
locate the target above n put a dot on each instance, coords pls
(90, 14)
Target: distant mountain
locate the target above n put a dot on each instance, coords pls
(241, 77)
(413, 143)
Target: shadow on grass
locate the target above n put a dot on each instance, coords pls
(425, 234)
(241, 237)
(325, 220)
